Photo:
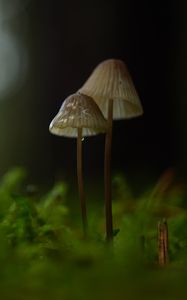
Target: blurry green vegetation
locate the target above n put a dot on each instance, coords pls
(44, 256)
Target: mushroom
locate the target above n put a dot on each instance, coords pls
(111, 86)
(79, 116)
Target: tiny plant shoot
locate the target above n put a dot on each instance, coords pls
(163, 257)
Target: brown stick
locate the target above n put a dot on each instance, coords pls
(107, 175)
(163, 257)
(166, 242)
(80, 181)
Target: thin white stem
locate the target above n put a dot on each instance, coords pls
(107, 175)
(80, 181)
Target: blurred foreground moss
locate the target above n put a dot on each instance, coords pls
(43, 254)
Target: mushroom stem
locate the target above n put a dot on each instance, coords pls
(107, 174)
(80, 181)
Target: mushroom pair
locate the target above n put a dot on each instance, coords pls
(111, 87)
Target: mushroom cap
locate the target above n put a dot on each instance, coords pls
(111, 80)
(78, 111)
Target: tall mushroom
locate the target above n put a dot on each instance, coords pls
(111, 86)
(79, 116)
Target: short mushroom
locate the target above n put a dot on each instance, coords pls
(111, 86)
(79, 116)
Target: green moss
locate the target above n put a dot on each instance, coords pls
(43, 254)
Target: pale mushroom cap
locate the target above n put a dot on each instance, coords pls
(78, 111)
(111, 80)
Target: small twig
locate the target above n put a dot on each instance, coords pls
(163, 257)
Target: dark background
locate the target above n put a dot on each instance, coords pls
(65, 41)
